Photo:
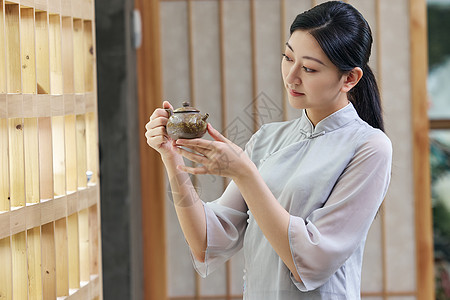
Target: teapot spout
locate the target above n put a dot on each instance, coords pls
(205, 117)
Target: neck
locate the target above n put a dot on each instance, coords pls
(315, 115)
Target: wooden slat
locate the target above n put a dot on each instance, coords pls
(12, 46)
(19, 266)
(31, 160)
(89, 58)
(81, 150)
(62, 258)
(27, 50)
(67, 55)
(152, 178)
(42, 53)
(71, 153)
(4, 173)
(83, 227)
(94, 235)
(78, 55)
(2, 50)
(48, 261)
(59, 163)
(45, 158)
(56, 79)
(5, 270)
(34, 263)
(16, 162)
(421, 167)
(92, 146)
(74, 254)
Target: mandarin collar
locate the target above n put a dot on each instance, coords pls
(334, 121)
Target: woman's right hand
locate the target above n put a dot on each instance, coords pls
(156, 133)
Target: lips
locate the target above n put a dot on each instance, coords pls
(295, 93)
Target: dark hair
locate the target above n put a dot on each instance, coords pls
(345, 37)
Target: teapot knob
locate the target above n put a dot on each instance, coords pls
(186, 104)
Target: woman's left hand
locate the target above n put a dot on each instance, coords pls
(219, 157)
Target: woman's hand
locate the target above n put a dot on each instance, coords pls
(219, 157)
(156, 134)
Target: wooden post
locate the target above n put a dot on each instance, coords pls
(422, 179)
(152, 174)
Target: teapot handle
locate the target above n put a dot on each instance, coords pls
(170, 111)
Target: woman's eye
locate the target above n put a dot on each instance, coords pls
(287, 58)
(308, 70)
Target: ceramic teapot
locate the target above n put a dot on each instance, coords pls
(186, 123)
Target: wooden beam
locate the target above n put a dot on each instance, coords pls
(152, 173)
(420, 127)
(440, 124)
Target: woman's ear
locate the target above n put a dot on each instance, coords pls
(351, 79)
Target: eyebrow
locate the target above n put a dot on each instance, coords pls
(306, 57)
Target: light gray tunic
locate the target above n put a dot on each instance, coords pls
(332, 179)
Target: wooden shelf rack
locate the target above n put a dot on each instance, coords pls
(50, 244)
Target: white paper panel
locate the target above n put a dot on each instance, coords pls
(175, 52)
(268, 58)
(238, 70)
(368, 9)
(396, 94)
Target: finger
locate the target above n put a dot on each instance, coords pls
(156, 123)
(200, 143)
(158, 131)
(192, 170)
(192, 156)
(166, 104)
(216, 135)
(159, 112)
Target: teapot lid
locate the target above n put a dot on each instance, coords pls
(186, 108)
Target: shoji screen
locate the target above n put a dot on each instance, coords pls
(49, 186)
(224, 57)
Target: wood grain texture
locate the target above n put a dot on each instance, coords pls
(74, 252)
(4, 173)
(55, 55)
(48, 261)
(34, 263)
(16, 162)
(152, 178)
(2, 50)
(420, 127)
(31, 160)
(19, 266)
(5, 270)
(27, 51)
(42, 53)
(12, 46)
(62, 258)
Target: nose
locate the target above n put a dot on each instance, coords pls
(293, 75)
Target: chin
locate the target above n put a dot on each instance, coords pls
(294, 103)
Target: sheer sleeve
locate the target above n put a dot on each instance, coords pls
(321, 243)
(226, 222)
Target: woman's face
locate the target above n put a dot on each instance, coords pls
(312, 81)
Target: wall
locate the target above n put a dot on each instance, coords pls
(119, 159)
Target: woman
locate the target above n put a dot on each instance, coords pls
(304, 192)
